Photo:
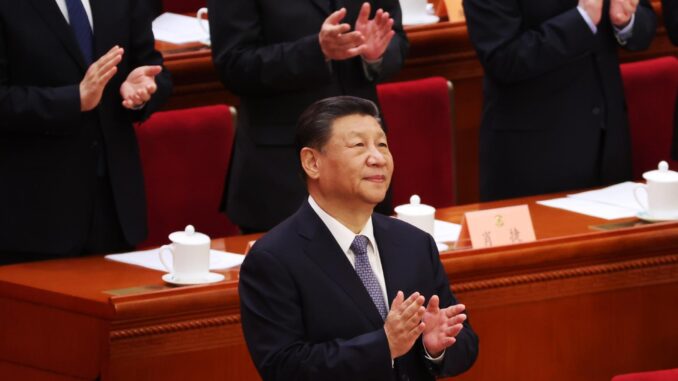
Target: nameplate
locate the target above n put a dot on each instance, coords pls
(496, 227)
(455, 10)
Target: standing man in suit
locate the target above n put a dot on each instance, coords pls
(279, 58)
(670, 12)
(74, 75)
(554, 116)
(314, 290)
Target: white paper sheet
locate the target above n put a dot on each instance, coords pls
(444, 231)
(179, 29)
(149, 259)
(590, 208)
(620, 195)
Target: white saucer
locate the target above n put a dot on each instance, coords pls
(420, 19)
(645, 216)
(442, 246)
(204, 279)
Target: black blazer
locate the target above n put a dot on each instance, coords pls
(47, 155)
(307, 316)
(268, 53)
(551, 87)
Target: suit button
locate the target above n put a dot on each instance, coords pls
(596, 111)
(94, 144)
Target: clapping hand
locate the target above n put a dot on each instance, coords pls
(139, 86)
(441, 326)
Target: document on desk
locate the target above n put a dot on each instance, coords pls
(444, 231)
(149, 259)
(610, 203)
(179, 29)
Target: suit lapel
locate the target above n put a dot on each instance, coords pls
(103, 27)
(51, 14)
(324, 251)
(389, 255)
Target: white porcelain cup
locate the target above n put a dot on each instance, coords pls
(661, 193)
(201, 16)
(190, 255)
(413, 7)
(417, 214)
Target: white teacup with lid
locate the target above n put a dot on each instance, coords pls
(662, 193)
(417, 214)
(190, 258)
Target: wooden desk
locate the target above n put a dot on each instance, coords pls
(441, 49)
(578, 304)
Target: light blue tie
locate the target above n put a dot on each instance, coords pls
(81, 28)
(364, 270)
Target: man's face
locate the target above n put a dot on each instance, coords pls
(355, 165)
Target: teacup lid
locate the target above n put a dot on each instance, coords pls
(189, 237)
(415, 207)
(662, 174)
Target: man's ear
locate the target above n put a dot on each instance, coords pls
(309, 162)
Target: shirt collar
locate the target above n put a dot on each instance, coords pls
(343, 235)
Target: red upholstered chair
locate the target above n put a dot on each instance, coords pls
(659, 375)
(650, 87)
(418, 115)
(185, 156)
(183, 6)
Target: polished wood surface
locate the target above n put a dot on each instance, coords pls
(578, 304)
(441, 49)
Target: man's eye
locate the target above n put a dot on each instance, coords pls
(383, 144)
(358, 144)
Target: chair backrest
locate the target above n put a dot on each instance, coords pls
(659, 375)
(183, 6)
(418, 115)
(650, 88)
(185, 156)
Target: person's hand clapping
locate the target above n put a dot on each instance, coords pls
(377, 32)
(442, 326)
(139, 86)
(337, 41)
(594, 8)
(621, 12)
(403, 324)
(97, 76)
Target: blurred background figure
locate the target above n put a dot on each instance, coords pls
(279, 57)
(74, 75)
(554, 115)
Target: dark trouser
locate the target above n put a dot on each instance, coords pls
(104, 236)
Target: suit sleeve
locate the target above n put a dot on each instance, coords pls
(247, 65)
(273, 324)
(31, 109)
(644, 27)
(511, 52)
(670, 12)
(394, 57)
(144, 53)
(462, 355)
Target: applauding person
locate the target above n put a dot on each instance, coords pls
(279, 57)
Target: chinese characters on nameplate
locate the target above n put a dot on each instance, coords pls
(496, 227)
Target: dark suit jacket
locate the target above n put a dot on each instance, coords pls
(551, 87)
(48, 154)
(670, 12)
(267, 52)
(307, 316)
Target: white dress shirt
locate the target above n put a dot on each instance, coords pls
(344, 237)
(85, 3)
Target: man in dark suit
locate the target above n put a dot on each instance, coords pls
(554, 116)
(670, 12)
(74, 75)
(279, 57)
(314, 290)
